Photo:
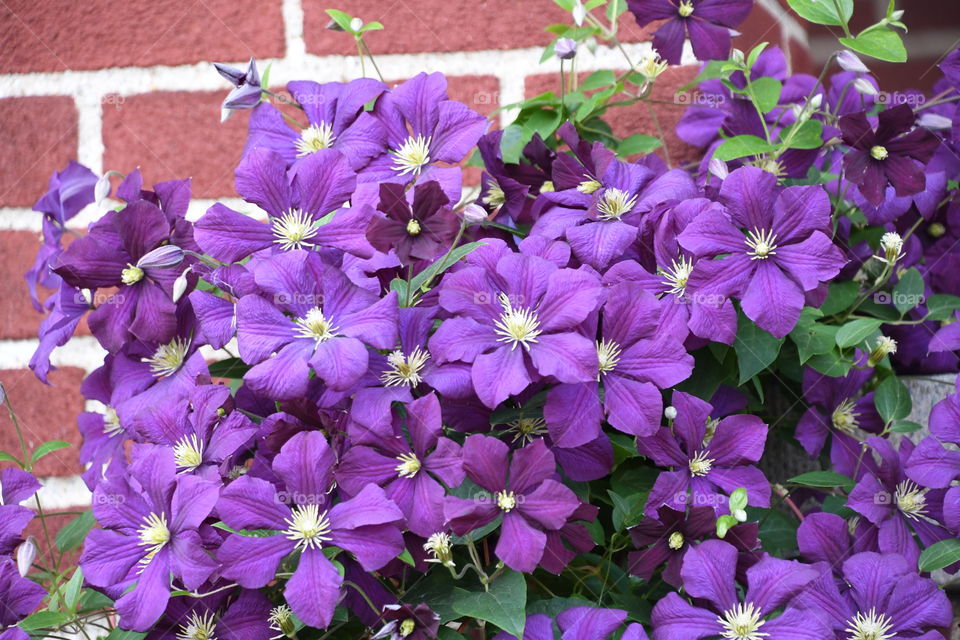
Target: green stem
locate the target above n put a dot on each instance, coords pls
(373, 61)
(366, 598)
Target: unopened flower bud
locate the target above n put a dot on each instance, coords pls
(885, 346)
(739, 514)
(579, 13)
(718, 167)
(102, 190)
(168, 255)
(670, 413)
(849, 61)
(865, 87)
(356, 24)
(565, 48)
(934, 121)
(936, 230)
(180, 285)
(474, 213)
(26, 554)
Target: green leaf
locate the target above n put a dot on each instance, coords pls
(855, 332)
(598, 80)
(892, 400)
(229, 368)
(905, 426)
(941, 306)
(249, 533)
(882, 44)
(766, 90)
(543, 122)
(371, 26)
(778, 531)
(627, 510)
(124, 634)
(808, 136)
(512, 143)
(833, 364)
(341, 18)
(44, 619)
(442, 264)
(9, 457)
(939, 555)
(811, 337)
(48, 447)
(840, 297)
(738, 499)
(614, 9)
(755, 54)
(724, 523)
(823, 11)
(503, 605)
(71, 590)
(407, 558)
(909, 291)
(823, 479)
(756, 349)
(713, 70)
(638, 143)
(740, 146)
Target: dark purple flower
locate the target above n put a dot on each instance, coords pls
(331, 323)
(246, 91)
(707, 22)
(335, 120)
(304, 210)
(570, 540)
(885, 599)
(711, 458)
(150, 517)
(774, 243)
(507, 187)
(417, 230)
(709, 575)
(637, 359)
(408, 471)
(888, 154)
(246, 617)
(515, 320)
(303, 520)
(406, 622)
(523, 493)
(666, 538)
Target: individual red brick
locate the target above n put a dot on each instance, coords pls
(413, 26)
(37, 137)
(636, 118)
(96, 34)
(175, 134)
(44, 413)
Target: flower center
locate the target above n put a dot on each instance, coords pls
(677, 276)
(608, 353)
(879, 153)
(869, 626)
(845, 418)
(314, 138)
(131, 275)
(438, 545)
(495, 195)
(686, 8)
(281, 619)
(413, 227)
(198, 627)
(308, 527)
(527, 428)
(412, 155)
(700, 464)
(506, 500)
(188, 452)
(675, 541)
(405, 370)
(111, 422)
(911, 499)
(153, 535)
(516, 326)
(614, 203)
(762, 244)
(293, 230)
(315, 326)
(742, 623)
(406, 627)
(168, 358)
(409, 465)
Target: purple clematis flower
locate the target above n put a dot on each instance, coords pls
(15, 487)
(424, 128)
(775, 244)
(837, 412)
(138, 250)
(246, 617)
(666, 539)
(150, 517)
(20, 597)
(932, 464)
(417, 230)
(407, 471)
(335, 120)
(885, 599)
(636, 358)
(516, 317)
(506, 187)
(709, 575)
(303, 520)
(579, 623)
(522, 492)
(896, 505)
(888, 154)
(331, 323)
(707, 22)
(304, 209)
(711, 459)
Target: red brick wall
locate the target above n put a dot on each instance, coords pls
(125, 84)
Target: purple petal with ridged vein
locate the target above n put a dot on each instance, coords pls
(573, 413)
(676, 619)
(499, 374)
(709, 571)
(770, 283)
(314, 589)
(569, 357)
(520, 545)
(252, 562)
(261, 178)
